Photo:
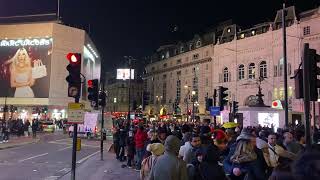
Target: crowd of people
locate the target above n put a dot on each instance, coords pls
(199, 151)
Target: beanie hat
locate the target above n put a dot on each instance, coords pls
(219, 136)
(156, 149)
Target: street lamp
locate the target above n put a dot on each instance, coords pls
(193, 103)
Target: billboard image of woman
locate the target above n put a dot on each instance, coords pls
(25, 70)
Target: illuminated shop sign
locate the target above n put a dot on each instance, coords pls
(26, 42)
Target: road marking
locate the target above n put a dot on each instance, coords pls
(33, 157)
(52, 178)
(87, 157)
(64, 148)
(62, 139)
(84, 145)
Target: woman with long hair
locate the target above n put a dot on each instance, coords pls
(21, 74)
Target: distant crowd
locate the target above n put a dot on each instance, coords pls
(200, 151)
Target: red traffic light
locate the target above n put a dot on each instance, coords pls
(74, 57)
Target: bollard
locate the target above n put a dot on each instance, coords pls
(78, 144)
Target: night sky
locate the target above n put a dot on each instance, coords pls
(138, 27)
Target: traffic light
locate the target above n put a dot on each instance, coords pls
(93, 92)
(146, 98)
(74, 78)
(314, 71)
(102, 99)
(235, 107)
(222, 97)
(298, 82)
(209, 103)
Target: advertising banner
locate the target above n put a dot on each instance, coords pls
(125, 74)
(25, 67)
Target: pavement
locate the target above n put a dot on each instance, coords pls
(50, 158)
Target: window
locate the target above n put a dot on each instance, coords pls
(275, 71)
(167, 54)
(280, 69)
(251, 73)
(178, 73)
(195, 87)
(164, 93)
(178, 61)
(207, 53)
(306, 30)
(190, 47)
(225, 75)
(162, 56)
(207, 82)
(241, 72)
(198, 43)
(176, 51)
(195, 56)
(181, 49)
(253, 32)
(242, 36)
(263, 69)
(164, 65)
(207, 66)
(164, 77)
(289, 69)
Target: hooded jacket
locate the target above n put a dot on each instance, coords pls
(169, 166)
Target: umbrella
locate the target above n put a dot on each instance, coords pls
(230, 125)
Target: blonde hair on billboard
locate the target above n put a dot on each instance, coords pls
(14, 60)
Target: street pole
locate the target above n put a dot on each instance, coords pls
(285, 75)
(314, 115)
(214, 104)
(102, 121)
(5, 111)
(306, 93)
(192, 109)
(129, 94)
(187, 109)
(74, 145)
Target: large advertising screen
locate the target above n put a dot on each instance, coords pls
(269, 120)
(25, 67)
(125, 74)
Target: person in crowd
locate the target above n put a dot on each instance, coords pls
(262, 139)
(187, 145)
(289, 143)
(116, 141)
(34, 128)
(5, 133)
(147, 164)
(300, 136)
(245, 160)
(208, 167)
(26, 128)
(276, 156)
(307, 165)
(140, 140)
(189, 153)
(122, 142)
(130, 147)
(169, 166)
(162, 135)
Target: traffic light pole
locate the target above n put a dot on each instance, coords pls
(74, 145)
(129, 90)
(214, 104)
(306, 93)
(102, 123)
(285, 74)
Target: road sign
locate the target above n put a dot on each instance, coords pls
(215, 110)
(76, 113)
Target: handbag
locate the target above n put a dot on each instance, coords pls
(39, 70)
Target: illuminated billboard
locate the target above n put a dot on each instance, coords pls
(124, 74)
(25, 67)
(269, 119)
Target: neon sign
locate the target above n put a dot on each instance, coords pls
(26, 42)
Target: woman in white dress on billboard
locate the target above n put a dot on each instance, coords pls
(21, 74)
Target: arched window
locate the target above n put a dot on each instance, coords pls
(225, 75)
(198, 43)
(263, 69)
(251, 72)
(181, 49)
(241, 72)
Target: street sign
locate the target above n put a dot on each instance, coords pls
(76, 113)
(215, 110)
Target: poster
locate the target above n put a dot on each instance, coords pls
(25, 67)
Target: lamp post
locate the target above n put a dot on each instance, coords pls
(187, 100)
(193, 95)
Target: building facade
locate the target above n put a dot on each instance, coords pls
(234, 58)
(118, 95)
(33, 68)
